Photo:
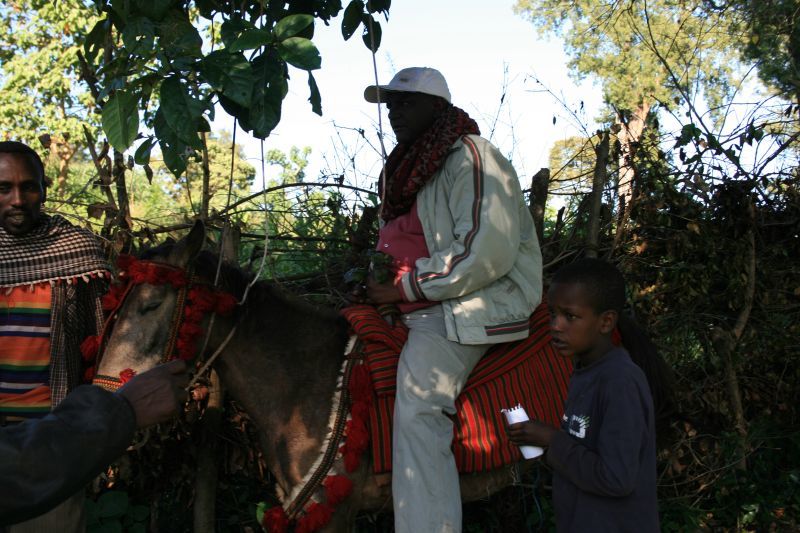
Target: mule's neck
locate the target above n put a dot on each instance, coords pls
(282, 366)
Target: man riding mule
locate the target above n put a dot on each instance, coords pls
(284, 363)
(468, 275)
(469, 278)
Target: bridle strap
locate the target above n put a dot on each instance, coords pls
(177, 319)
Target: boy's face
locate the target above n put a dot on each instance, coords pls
(578, 330)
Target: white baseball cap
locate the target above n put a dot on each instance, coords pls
(410, 80)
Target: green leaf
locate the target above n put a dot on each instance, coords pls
(165, 134)
(261, 507)
(120, 120)
(300, 52)
(250, 39)
(314, 98)
(292, 25)
(95, 39)
(352, 18)
(178, 37)
(113, 503)
(372, 32)
(231, 29)
(239, 112)
(181, 110)
(229, 74)
(173, 160)
(138, 35)
(269, 90)
(142, 154)
(121, 8)
(153, 9)
(379, 5)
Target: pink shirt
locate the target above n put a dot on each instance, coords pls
(404, 240)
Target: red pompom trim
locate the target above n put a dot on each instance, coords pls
(124, 262)
(126, 375)
(337, 488)
(316, 517)
(275, 520)
(89, 348)
(357, 434)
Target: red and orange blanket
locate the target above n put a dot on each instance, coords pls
(528, 372)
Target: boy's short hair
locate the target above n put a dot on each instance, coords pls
(29, 155)
(603, 282)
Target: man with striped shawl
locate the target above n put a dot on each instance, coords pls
(52, 277)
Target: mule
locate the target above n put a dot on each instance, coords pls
(281, 364)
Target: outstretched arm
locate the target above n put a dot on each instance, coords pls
(46, 460)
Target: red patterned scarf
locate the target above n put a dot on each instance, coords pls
(409, 167)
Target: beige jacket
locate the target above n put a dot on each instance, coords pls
(485, 265)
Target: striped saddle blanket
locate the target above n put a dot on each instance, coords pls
(528, 372)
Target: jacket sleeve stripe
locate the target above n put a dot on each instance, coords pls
(477, 177)
(414, 284)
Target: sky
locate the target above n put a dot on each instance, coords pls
(514, 83)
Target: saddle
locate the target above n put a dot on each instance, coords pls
(528, 372)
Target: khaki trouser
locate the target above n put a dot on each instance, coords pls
(67, 517)
(430, 375)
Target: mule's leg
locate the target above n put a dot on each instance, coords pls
(431, 373)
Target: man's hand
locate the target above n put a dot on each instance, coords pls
(530, 433)
(158, 394)
(382, 293)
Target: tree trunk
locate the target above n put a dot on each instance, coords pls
(629, 132)
(206, 199)
(598, 182)
(540, 184)
(205, 495)
(123, 220)
(63, 152)
(207, 468)
(725, 344)
(102, 163)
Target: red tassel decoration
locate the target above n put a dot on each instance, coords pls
(275, 520)
(124, 262)
(360, 384)
(337, 488)
(126, 375)
(89, 348)
(316, 517)
(225, 304)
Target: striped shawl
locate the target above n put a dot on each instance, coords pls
(72, 261)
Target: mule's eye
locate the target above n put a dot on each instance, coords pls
(152, 305)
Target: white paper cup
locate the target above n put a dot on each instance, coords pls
(515, 415)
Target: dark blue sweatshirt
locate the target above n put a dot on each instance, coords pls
(604, 459)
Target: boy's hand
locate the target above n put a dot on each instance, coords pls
(530, 433)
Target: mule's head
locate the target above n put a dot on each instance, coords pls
(146, 319)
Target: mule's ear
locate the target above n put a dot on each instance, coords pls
(188, 247)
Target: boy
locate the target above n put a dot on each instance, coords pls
(604, 456)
